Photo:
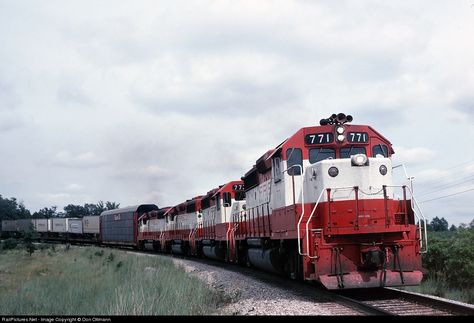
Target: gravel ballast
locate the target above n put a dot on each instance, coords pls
(251, 293)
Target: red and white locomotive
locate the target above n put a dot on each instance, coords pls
(321, 206)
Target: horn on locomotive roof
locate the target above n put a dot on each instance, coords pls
(340, 118)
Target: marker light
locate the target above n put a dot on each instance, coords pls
(340, 130)
(383, 170)
(359, 159)
(333, 171)
(340, 137)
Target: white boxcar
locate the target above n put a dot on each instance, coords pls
(90, 224)
(8, 225)
(58, 225)
(41, 225)
(74, 225)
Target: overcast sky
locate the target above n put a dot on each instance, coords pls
(160, 101)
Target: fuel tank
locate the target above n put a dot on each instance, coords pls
(266, 259)
(213, 252)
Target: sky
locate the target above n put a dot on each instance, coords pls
(160, 101)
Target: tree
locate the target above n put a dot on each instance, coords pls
(46, 213)
(10, 209)
(112, 205)
(78, 211)
(452, 228)
(74, 211)
(439, 224)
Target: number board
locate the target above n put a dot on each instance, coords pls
(358, 137)
(238, 187)
(318, 138)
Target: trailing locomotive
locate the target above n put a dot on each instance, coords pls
(321, 206)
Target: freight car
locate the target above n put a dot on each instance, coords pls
(120, 226)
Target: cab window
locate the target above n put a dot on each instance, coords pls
(380, 150)
(218, 201)
(239, 195)
(347, 152)
(294, 157)
(318, 154)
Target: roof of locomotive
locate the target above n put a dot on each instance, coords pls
(226, 186)
(298, 139)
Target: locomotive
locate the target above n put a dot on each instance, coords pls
(321, 206)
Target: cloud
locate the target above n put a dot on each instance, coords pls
(465, 105)
(11, 120)
(151, 172)
(415, 155)
(75, 187)
(82, 160)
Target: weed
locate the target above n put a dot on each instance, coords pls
(10, 244)
(111, 257)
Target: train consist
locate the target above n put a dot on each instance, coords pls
(321, 206)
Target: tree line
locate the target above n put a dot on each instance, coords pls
(11, 209)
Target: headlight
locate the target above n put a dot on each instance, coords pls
(340, 130)
(359, 160)
(340, 137)
(333, 171)
(383, 170)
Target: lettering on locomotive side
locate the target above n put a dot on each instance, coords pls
(318, 138)
(117, 217)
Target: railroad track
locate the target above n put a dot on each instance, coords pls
(391, 301)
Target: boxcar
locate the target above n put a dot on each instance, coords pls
(74, 226)
(90, 224)
(24, 225)
(41, 225)
(119, 226)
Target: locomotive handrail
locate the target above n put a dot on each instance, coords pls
(302, 203)
(307, 226)
(409, 178)
(414, 202)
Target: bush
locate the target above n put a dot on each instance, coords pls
(9, 244)
(28, 238)
(451, 258)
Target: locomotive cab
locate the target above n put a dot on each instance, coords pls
(221, 207)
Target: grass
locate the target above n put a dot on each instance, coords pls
(439, 287)
(95, 281)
